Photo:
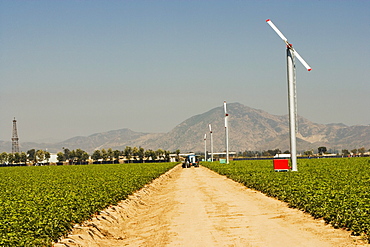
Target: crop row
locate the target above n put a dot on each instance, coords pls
(336, 190)
(38, 205)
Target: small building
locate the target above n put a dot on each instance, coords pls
(282, 156)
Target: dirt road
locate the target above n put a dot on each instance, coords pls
(197, 207)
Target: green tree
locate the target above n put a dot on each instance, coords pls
(10, 158)
(110, 154)
(160, 153)
(40, 155)
(345, 152)
(116, 154)
(135, 153)
(96, 155)
(23, 157)
(177, 155)
(67, 154)
(361, 151)
(104, 154)
(128, 153)
(72, 158)
(153, 155)
(276, 151)
(248, 153)
(47, 156)
(61, 157)
(147, 154)
(271, 152)
(85, 156)
(31, 155)
(80, 155)
(3, 158)
(150, 154)
(17, 158)
(322, 150)
(141, 154)
(167, 155)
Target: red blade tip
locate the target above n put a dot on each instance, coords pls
(309, 69)
(267, 20)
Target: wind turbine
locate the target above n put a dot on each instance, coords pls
(292, 93)
(226, 133)
(210, 131)
(205, 147)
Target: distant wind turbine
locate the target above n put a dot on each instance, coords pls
(292, 92)
(205, 147)
(226, 133)
(210, 132)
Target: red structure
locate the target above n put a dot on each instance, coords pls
(281, 165)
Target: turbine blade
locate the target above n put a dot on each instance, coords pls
(281, 35)
(225, 107)
(210, 128)
(302, 60)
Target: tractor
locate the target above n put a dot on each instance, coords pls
(191, 160)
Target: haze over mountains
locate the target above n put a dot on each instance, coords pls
(249, 129)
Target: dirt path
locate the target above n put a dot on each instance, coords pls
(197, 207)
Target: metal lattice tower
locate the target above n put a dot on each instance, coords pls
(15, 145)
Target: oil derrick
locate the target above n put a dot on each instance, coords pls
(15, 145)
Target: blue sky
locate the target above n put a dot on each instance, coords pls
(73, 68)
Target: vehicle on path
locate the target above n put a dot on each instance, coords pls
(191, 160)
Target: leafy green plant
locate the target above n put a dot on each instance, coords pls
(38, 205)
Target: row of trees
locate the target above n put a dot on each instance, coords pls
(135, 153)
(103, 155)
(80, 156)
(320, 150)
(345, 152)
(130, 153)
(269, 152)
(31, 156)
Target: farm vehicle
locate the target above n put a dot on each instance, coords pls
(191, 160)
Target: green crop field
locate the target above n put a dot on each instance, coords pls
(335, 189)
(38, 205)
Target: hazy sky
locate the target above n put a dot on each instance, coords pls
(71, 68)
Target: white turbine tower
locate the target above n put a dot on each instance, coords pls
(205, 147)
(292, 93)
(210, 131)
(226, 133)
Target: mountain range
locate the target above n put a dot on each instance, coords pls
(249, 129)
